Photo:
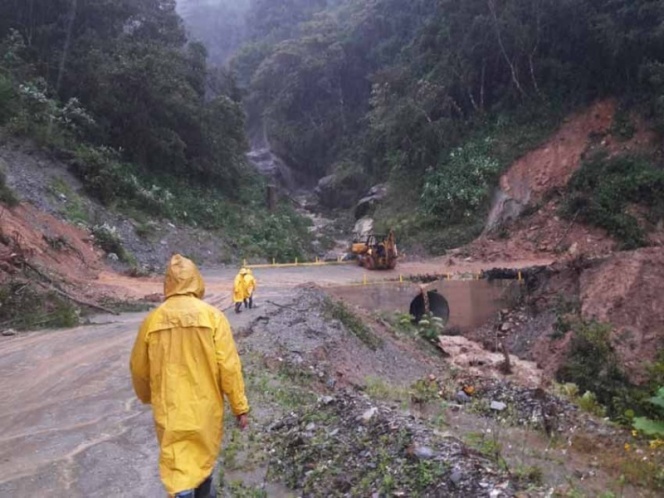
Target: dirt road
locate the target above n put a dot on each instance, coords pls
(69, 422)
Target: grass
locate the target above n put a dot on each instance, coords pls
(376, 388)
(73, 209)
(337, 310)
(634, 466)
(237, 489)
(529, 475)
(485, 444)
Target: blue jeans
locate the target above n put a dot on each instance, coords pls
(205, 490)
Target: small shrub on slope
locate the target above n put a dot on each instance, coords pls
(649, 426)
(601, 191)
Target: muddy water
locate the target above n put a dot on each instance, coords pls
(471, 302)
(69, 421)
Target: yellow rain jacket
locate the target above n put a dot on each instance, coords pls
(249, 283)
(240, 288)
(183, 362)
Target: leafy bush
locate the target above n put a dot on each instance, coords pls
(7, 99)
(601, 191)
(461, 184)
(7, 195)
(22, 307)
(430, 327)
(601, 379)
(601, 376)
(39, 116)
(649, 426)
(107, 238)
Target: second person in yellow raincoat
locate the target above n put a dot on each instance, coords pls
(239, 290)
(250, 287)
(184, 363)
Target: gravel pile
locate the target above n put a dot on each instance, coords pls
(348, 446)
(317, 331)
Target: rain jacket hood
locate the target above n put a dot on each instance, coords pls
(185, 363)
(183, 278)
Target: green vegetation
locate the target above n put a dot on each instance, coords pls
(107, 238)
(607, 390)
(145, 124)
(22, 307)
(74, 209)
(649, 426)
(601, 376)
(603, 191)
(7, 195)
(437, 97)
(486, 444)
(460, 187)
(339, 311)
(529, 475)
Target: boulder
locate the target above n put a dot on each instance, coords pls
(363, 228)
(503, 210)
(335, 194)
(367, 205)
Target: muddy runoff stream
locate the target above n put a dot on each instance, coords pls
(70, 423)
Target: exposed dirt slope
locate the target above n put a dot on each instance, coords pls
(532, 182)
(627, 291)
(48, 242)
(44, 181)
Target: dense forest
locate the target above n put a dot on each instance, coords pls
(439, 92)
(435, 97)
(126, 69)
(116, 89)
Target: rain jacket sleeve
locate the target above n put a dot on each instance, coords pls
(230, 368)
(140, 365)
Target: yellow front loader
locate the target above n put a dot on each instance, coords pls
(377, 252)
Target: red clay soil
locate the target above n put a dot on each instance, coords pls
(47, 242)
(552, 165)
(544, 235)
(548, 169)
(627, 291)
(65, 253)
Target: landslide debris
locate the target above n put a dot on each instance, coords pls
(526, 216)
(312, 328)
(332, 425)
(347, 445)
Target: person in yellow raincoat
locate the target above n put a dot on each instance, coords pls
(250, 287)
(239, 290)
(184, 363)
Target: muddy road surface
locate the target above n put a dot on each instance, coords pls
(69, 422)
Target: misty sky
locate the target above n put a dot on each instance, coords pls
(185, 6)
(219, 24)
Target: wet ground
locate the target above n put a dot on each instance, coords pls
(69, 422)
